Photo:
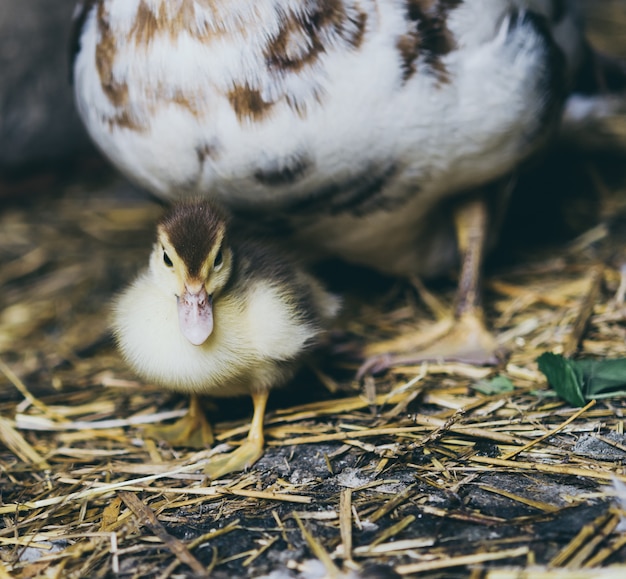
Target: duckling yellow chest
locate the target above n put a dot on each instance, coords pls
(256, 339)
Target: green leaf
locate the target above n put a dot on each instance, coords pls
(564, 376)
(497, 385)
(579, 381)
(603, 378)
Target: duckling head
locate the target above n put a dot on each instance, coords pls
(192, 261)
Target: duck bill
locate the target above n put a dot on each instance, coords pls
(195, 316)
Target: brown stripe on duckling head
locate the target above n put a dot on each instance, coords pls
(427, 36)
(194, 228)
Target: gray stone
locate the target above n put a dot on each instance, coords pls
(591, 446)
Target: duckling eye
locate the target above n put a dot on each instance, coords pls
(219, 260)
(167, 260)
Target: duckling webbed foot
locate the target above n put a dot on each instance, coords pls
(239, 459)
(192, 430)
(251, 449)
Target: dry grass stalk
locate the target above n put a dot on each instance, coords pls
(463, 560)
(603, 554)
(147, 518)
(615, 572)
(539, 505)
(345, 517)
(606, 475)
(17, 443)
(571, 419)
(393, 547)
(20, 386)
(585, 311)
(318, 550)
(585, 542)
(393, 530)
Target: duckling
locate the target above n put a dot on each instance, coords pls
(222, 313)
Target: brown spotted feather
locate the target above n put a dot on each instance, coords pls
(248, 103)
(427, 37)
(304, 36)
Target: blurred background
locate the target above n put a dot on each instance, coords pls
(39, 129)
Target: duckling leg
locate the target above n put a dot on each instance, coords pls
(191, 430)
(252, 448)
(462, 336)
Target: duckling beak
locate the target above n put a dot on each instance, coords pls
(195, 315)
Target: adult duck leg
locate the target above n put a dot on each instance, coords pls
(192, 430)
(462, 336)
(469, 340)
(250, 450)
